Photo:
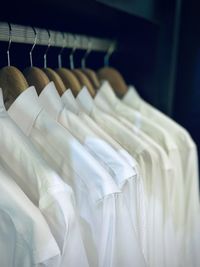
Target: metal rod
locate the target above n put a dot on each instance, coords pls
(24, 34)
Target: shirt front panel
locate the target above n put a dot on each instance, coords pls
(87, 210)
(52, 190)
(33, 239)
(144, 157)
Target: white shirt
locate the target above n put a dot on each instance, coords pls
(189, 160)
(100, 204)
(147, 160)
(161, 136)
(25, 238)
(42, 185)
(156, 133)
(162, 187)
(70, 104)
(123, 174)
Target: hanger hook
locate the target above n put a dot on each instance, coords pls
(45, 54)
(71, 56)
(61, 51)
(33, 46)
(85, 56)
(9, 43)
(110, 51)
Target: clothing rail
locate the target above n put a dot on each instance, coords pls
(24, 34)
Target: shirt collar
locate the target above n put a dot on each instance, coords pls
(50, 100)
(132, 97)
(107, 92)
(70, 102)
(85, 100)
(103, 104)
(25, 109)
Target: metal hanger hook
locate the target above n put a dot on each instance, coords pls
(48, 46)
(33, 46)
(110, 51)
(61, 51)
(85, 56)
(71, 56)
(9, 43)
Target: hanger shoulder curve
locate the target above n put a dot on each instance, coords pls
(53, 76)
(92, 76)
(36, 77)
(69, 79)
(115, 79)
(12, 81)
(84, 81)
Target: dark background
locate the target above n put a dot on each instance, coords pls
(158, 50)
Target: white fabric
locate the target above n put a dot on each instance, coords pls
(163, 138)
(162, 186)
(100, 203)
(71, 104)
(124, 176)
(25, 238)
(189, 160)
(42, 185)
(152, 240)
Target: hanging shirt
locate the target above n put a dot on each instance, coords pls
(25, 238)
(100, 203)
(70, 103)
(189, 160)
(124, 176)
(162, 186)
(163, 139)
(147, 160)
(42, 185)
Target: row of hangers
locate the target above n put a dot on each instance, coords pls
(13, 81)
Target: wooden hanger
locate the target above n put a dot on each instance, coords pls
(112, 75)
(12, 81)
(89, 73)
(77, 74)
(115, 79)
(84, 81)
(70, 80)
(35, 76)
(53, 76)
(93, 78)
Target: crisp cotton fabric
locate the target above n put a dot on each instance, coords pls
(70, 104)
(25, 238)
(153, 239)
(161, 185)
(189, 160)
(161, 136)
(162, 188)
(108, 234)
(43, 186)
(123, 174)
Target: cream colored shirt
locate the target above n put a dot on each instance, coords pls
(161, 136)
(100, 203)
(41, 183)
(162, 186)
(147, 160)
(189, 161)
(25, 238)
